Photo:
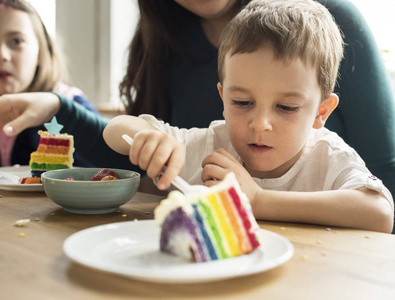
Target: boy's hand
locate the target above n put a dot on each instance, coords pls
(221, 162)
(152, 150)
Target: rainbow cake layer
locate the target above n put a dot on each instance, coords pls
(215, 224)
(55, 151)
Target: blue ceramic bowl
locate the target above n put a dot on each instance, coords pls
(89, 197)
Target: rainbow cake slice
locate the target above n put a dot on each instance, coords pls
(214, 224)
(55, 151)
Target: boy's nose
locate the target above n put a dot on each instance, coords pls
(4, 53)
(261, 122)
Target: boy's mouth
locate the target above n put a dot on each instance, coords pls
(259, 148)
(5, 75)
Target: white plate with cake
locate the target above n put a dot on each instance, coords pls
(9, 176)
(202, 236)
(55, 151)
(131, 249)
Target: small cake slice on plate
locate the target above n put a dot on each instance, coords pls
(55, 150)
(213, 224)
(29, 180)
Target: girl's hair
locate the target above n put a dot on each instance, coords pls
(51, 68)
(301, 29)
(155, 43)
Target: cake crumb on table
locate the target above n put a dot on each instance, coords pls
(21, 223)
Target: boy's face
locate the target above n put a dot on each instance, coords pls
(18, 51)
(270, 108)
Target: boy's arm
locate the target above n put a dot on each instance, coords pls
(120, 125)
(151, 150)
(362, 208)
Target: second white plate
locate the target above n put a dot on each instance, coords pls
(131, 249)
(22, 171)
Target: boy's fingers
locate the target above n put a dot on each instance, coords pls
(173, 168)
(213, 172)
(161, 158)
(146, 156)
(219, 157)
(135, 150)
(165, 179)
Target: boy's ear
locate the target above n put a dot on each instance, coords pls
(220, 90)
(325, 109)
(221, 93)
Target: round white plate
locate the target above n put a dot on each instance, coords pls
(22, 171)
(131, 249)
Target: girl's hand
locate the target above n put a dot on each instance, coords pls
(152, 150)
(221, 162)
(20, 111)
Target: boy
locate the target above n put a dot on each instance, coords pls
(278, 63)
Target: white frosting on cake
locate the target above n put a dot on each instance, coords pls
(174, 200)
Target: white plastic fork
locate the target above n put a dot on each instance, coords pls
(178, 182)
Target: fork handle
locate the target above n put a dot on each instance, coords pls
(181, 184)
(178, 182)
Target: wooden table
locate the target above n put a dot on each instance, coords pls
(336, 264)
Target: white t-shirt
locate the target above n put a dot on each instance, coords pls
(327, 162)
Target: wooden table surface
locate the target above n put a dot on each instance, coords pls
(327, 264)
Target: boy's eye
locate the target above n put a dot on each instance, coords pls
(288, 109)
(17, 41)
(242, 103)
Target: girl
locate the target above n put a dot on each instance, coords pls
(29, 62)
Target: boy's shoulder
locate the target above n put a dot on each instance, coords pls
(325, 141)
(326, 136)
(217, 123)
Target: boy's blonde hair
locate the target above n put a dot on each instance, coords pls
(51, 68)
(301, 29)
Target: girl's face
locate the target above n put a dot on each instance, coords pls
(209, 9)
(19, 50)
